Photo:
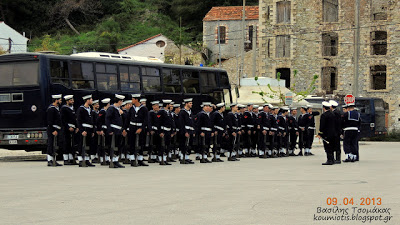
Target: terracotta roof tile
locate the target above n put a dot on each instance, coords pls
(231, 13)
(140, 42)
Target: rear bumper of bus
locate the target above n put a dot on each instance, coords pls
(28, 140)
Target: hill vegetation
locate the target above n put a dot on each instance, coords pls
(106, 25)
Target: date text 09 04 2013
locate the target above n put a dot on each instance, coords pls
(350, 201)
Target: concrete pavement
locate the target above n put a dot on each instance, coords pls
(252, 191)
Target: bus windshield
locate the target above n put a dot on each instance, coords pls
(19, 74)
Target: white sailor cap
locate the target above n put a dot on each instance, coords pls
(345, 106)
(56, 96)
(167, 101)
(293, 108)
(241, 106)
(68, 97)
(271, 106)
(86, 97)
(106, 101)
(143, 100)
(155, 102)
(95, 102)
(136, 95)
(309, 106)
(188, 100)
(172, 103)
(220, 104)
(304, 106)
(177, 105)
(266, 104)
(249, 104)
(256, 106)
(326, 104)
(333, 103)
(126, 102)
(206, 104)
(120, 97)
(260, 108)
(285, 108)
(351, 104)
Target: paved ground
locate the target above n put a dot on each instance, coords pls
(252, 191)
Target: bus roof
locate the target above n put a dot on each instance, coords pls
(33, 56)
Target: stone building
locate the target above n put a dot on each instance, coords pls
(229, 21)
(319, 37)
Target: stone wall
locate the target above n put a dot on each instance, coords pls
(305, 30)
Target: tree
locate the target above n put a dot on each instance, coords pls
(79, 8)
(48, 44)
(281, 96)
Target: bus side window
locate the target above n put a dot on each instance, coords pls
(130, 78)
(224, 80)
(82, 75)
(151, 79)
(190, 80)
(208, 81)
(59, 72)
(106, 77)
(172, 81)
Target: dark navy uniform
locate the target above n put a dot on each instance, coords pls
(186, 125)
(204, 125)
(137, 118)
(301, 121)
(264, 125)
(283, 133)
(68, 120)
(254, 134)
(101, 126)
(247, 126)
(53, 124)
(310, 130)
(85, 124)
(152, 128)
(165, 126)
(327, 131)
(94, 150)
(351, 123)
(293, 129)
(114, 125)
(232, 122)
(336, 143)
(219, 128)
(273, 138)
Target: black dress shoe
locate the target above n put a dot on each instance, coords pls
(338, 162)
(127, 161)
(188, 161)
(236, 159)
(223, 155)
(118, 165)
(203, 161)
(300, 153)
(220, 160)
(231, 159)
(95, 160)
(89, 164)
(73, 162)
(197, 157)
(310, 153)
(208, 161)
(292, 154)
(305, 153)
(104, 164)
(67, 163)
(168, 164)
(347, 160)
(81, 164)
(141, 163)
(151, 161)
(328, 163)
(134, 163)
(114, 165)
(214, 160)
(262, 157)
(162, 163)
(170, 160)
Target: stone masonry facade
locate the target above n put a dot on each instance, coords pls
(318, 36)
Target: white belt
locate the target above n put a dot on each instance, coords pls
(206, 129)
(219, 128)
(87, 125)
(302, 127)
(166, 128)
(251, 126)
(312, 128)
(57, 127)
(242, 126)
(282, 128)
(295, 129)
(272, 128)
(136, 124)
(154, 128)
(177, 129)
(116, 126)
(189, 128)
(351, 128)
(104, 127)
(71, 125)
(265, 128)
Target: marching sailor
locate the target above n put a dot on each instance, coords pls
(165, 126)
(135, 125)
(175, 140)
(68, 121)
(53, 129)
(232, 122)
(186, 131)
(283, 131)
(101, 130)
(219, 129)
(351, 122)
(248, 129)
(293, 130)
(204, 131)
(93, 147)
(338, 121)
(301, 121)
(153, 130)
(114, 130)
(86, 130)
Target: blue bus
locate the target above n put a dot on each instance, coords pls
(29, 79)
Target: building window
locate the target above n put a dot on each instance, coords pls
(378, 77)
(329, 44)
(329, 79)
(283, 12)
(379, 42)
(330, 10)
(379, 9)
(160, 44)
(222, 34)
(268, 13)
(282, 46)
(284, 74)
(249, 44)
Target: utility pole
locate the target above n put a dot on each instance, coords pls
(219, 46)
(9, 45)
(254, 50)
(356, 48)
(243, 35)
(180, 40)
